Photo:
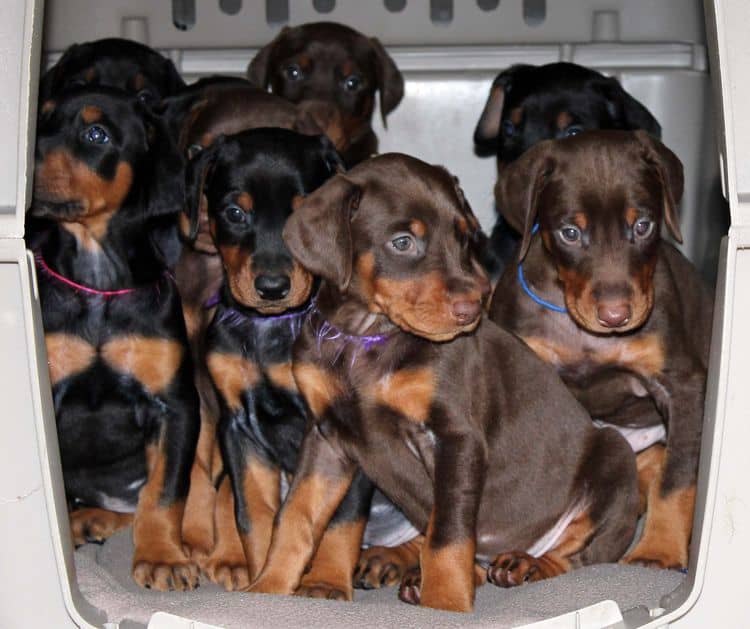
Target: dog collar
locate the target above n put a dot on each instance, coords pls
(326, 332)
(527, 289)
(230, 312)
(41, 264)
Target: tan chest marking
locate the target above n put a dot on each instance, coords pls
(281, 376)
(319, 387)
(152, 361)
(67, 355)
(408, 391)
(643, 355)
(232, 375)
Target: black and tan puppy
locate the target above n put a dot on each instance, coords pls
(330, 62)
(126, 407)
(252, 182)
(457, 421)
(528, 104)
(619, 312)
(121, 63)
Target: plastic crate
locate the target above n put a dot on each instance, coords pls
(449, 52)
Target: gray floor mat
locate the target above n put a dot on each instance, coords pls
(104, 580)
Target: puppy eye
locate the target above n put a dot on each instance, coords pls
(95, 135)
(403, 243)
(193, 150)
(570, 234)
(643, 228)
(293, 72)
(509, 128)
(572, 130)
(145, 96)
(352, 83)
(234, 214)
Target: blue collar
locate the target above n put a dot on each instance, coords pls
(527, 289)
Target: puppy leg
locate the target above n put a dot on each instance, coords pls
(380, 566)
(96, 525)
(227, 564)
(330, 575)
(322, 479)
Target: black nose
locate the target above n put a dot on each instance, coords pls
(272, 286)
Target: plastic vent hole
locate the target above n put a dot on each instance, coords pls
(441, 11)
(230, 7)
(183, 14)
(534, 12)
(277, 12)
(394, 6)
(488, 5)
(324, 6)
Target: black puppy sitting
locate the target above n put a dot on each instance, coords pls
(125, 403)
(528, 104)
(252, 182)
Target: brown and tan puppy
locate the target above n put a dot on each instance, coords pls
(457, 421)
(329, 62)
(619, 312)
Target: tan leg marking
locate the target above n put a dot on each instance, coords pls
(233, 375)
(649, 463)
(67, 355)
(281, 376)
(319, 387)
(380, 566)
(96, 525)
(152, 361)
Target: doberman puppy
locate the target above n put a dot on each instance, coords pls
(217, 107)
(330, 62)
(619, 312)
(125, 403)
(252, 182)
(456, 420)
(121, 63)
(528, 104)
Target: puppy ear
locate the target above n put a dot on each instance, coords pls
(173, 80)
(390, 80)
(332, 159)
(52, 80)
(167, 176)
(197, 176)
(669, 170)
(625, 110)
(488, 126)
(257, 70)
(319, 233)
(518, 188)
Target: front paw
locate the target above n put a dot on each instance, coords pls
(271, 584)
(410, 590)
(96, 525)
(323, 590)
(379, 567)
(518, 568)
(165, 571)
(654, 558)
(231, 574)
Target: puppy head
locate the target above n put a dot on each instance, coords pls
(252, 183)
(397, 235)
(330, 62)
(599, 200)
(120, 63)
(99, 151)
(528, 104)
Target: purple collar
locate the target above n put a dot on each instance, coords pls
(236, 315)
(325, 331)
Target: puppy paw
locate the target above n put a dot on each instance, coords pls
(653, 559)
(323, 590)
(379, 567)
(233, 576)
(165, 571)
(96, 525)
(517, 568)
(410, 590)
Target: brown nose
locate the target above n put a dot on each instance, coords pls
(614, 315)
(466, 312)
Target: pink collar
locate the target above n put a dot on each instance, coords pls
(74, 285)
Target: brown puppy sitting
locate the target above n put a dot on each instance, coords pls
(620, 313)
(325, 61)
(464, 436)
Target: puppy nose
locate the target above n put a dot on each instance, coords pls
(614, 315)
(466, 312)
(272, 286)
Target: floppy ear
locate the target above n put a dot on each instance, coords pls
(390, 80)
(51, 82)
(669, 170)
(488, 126)
(173, 80)
(331, 156)
(319, 234)
(257, 70)
(167, 176)
(519, 186)
(626, 110)
(197, 176)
